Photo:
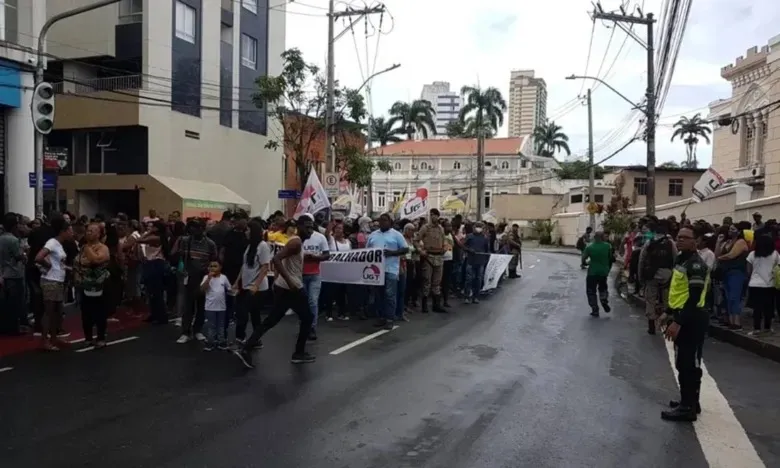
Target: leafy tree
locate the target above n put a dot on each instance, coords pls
(550, 139)
(544, 228)
(689, 131)
(669, 165)
(417, 116)
(382, 132)
(297, 99)
(618, 217)
(456, 129)
(360, 167)
(578, 170)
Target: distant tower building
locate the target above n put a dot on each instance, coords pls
(446, 104)
(527, 102)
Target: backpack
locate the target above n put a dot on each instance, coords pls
(659, 255)
(581, 243)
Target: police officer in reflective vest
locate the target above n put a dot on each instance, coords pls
(686, 324)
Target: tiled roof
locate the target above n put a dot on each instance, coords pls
(451, 147)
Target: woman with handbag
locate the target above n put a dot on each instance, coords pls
(90, 274)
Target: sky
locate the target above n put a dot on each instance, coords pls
(467, 43)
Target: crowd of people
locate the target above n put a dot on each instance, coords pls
(220, 275)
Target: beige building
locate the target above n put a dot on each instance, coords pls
(527, 102)
(156, 110)
(746, 137)
(671, 184)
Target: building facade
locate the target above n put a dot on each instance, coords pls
(527, 102)
(446, 103)
(449, 167)
(20, 22)
(671, 184)
(746, 135)
(154, 106)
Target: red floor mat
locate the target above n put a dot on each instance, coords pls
(19, 344)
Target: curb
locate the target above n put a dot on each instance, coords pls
(740, 340)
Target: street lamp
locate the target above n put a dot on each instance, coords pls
(633, 105)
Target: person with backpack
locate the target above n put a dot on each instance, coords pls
(583, 242)
(656, 261)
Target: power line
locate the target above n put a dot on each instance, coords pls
(590, 49)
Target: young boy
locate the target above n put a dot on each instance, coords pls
(215, 286)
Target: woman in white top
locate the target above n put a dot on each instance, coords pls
(336, 292)
(252, 282)
(51, 259)
(761, 265)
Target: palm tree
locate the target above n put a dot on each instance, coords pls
(550, 139)
(689, 131)
(382, 131)
(482, 114)
(417, 116)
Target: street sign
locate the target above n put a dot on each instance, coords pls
(49, 180)
(289, 194)
(331, 184)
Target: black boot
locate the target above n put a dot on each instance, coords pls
(424, 302)
(651, 327)
(437, 306)
(675, 404)
(681, 413)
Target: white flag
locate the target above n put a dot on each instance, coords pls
(314, 197)
(416, 204)
(708, 183)
(267, 211)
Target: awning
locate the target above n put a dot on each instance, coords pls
(203, 199)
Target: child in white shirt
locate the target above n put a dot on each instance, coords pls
(215, 286)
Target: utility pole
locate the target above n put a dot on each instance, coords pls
(648, 20)
(480, 171)
(370, 189)
(38, 79)
(330, 118)
(592, 171)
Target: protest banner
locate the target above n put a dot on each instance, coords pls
(359, 266)
(416, 205)
(494, 270)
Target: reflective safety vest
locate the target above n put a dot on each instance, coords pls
(679, 289)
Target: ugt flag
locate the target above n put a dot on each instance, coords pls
(416, 205)
(314, 197)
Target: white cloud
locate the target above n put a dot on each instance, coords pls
(466, 42)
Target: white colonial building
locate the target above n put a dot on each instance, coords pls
(450, 168)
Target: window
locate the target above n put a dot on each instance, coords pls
(424, 166)
(397, 166)
(250, 5)
(576, 198)
(226, 34)
(488, 199)
(248, 51)
(675, 187)
(185, 22)
(131, 11)
(504, 164)
(749, 133)
(456, 165)
(488, 164)
(523, 163)
(599, 198)
(380, 199)
(764, 128)
(9, 19)
(640, 185)
(396, 196)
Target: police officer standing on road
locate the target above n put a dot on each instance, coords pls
(686, 324)
(430, 239)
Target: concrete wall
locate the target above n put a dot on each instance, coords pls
(526, 207)
(87, 35)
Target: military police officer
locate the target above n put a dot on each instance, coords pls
(431, 244)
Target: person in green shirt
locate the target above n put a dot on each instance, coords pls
(600, 254)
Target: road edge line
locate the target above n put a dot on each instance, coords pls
(359, 342)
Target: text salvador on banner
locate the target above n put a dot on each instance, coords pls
(359, 266)
(495, 269)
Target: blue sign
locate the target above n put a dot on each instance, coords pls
(49, 180)
(289, 194)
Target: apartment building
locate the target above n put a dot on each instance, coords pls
(154, 106)
(450, 168)
(20, 21)
(746, 134)
(527, 102)
(446, 103)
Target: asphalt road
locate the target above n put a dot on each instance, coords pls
(525, 379)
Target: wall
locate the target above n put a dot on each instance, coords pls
(526, 207)
(661, 186)
(87, 35)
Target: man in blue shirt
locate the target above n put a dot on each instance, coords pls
(394, 246)
(477, 246)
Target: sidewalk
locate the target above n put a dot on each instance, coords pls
(765, 346)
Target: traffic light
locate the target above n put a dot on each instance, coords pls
(43, 108)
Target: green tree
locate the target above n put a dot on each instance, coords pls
(456, 129)
(578, 170)
(549, 139)
(689, 131)
(417, 116)
(669, 165)
(296, 98)
(382, 131)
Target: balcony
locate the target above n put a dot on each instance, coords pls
(98, 102)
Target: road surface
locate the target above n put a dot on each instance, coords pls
(524, 379)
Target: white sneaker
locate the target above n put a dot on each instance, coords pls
(183, 339)
(200, 337)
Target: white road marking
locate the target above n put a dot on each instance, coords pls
(531, 266)
(361, 341)
(110, 343)
(6, 369)
(538, 260)
(722, 438)
(80, 340)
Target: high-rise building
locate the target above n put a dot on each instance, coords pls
(527, 102)
(445, 103)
